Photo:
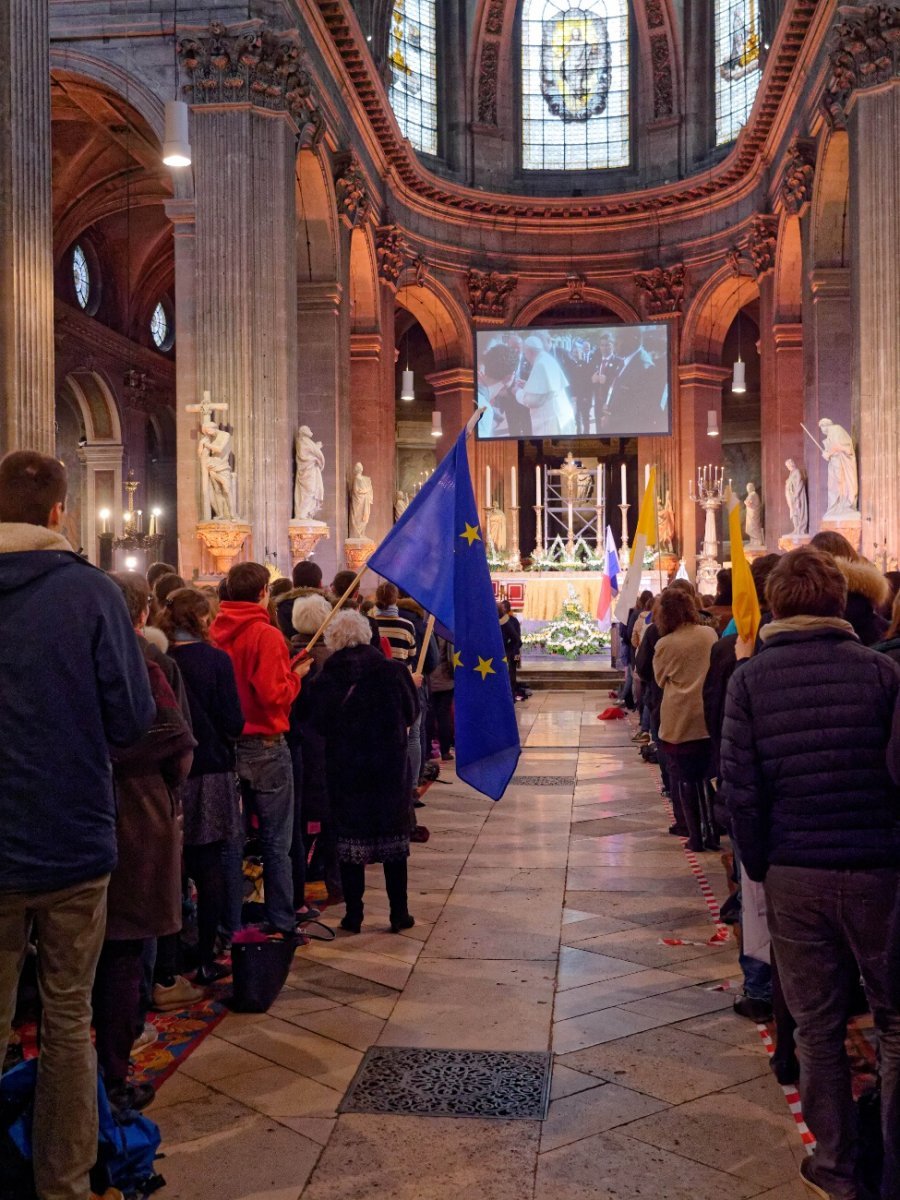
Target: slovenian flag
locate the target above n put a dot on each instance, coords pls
(609, 584)
(644, 536)
(744, 601)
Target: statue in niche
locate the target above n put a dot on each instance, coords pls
(361, 496)
(753, 517)
(666, 525)
(401, 504)
(214, 449)
(796, 497)
(843, 479)
(309, 490)
(496, 527)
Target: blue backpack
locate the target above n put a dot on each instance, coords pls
(126, 1151)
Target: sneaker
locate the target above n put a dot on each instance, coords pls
(786, 1069)
(641, 739)
(130, 1097)
(809, 1181)
(753, 1009)
(145, 1038)
(420, 834)
(181, 994)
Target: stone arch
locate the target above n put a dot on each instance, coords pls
(533, 308)
(97, 405)
(789, 270)
(365, 307)
(830, 216)
(318, 244)
(712, 313)
(95, 461)
(448, 329)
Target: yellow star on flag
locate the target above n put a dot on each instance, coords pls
(484, 667)
(457, 659)
(471, 533)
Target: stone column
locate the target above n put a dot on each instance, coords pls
(374, 425)
(875, 208)
(250, 100)
(322, 405)
(862, 95)
(27, 397)
(181, 214)
(781, 411)
(828, 350)
(699, 390)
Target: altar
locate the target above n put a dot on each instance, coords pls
(544, 592)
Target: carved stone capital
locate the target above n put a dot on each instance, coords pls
(576, 285)
(350, 191)
(761, 243)
(391, 251)
(663, 289)
(223, 539)
(489, 293)
(796, 188)
(253, 66)
(864, 51)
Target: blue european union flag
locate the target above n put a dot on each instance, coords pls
(436, 553)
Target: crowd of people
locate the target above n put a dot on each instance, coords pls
(153, 734)
(790, 744)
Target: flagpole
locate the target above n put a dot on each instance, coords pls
(429, 630)
(658, 547)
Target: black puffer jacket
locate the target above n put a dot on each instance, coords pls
(811, 752)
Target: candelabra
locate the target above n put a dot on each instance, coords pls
(514, 562)
(624, 552)
(539, 547)
(710, 495)
(136, 548)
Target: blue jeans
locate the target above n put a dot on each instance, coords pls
(267, 784)
(414, 750)
(757, 974)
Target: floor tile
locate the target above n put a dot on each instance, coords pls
(585, 1113)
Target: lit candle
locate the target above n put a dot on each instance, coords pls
(537, 486)
(598, 498)
(140, 520)
(624, 478)
(157, 527)
(514, 492)
(487, 487)
(104, 518)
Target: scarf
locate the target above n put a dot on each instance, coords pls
(803, 624)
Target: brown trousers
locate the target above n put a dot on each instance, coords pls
(68, 927)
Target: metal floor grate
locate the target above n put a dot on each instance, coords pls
(544, 780)
(494, 1084)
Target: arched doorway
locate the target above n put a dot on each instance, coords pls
(89, 441)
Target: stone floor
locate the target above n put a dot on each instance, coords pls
(539, 925)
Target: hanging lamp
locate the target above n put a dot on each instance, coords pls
(176, 151)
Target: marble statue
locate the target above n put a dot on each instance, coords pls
(843, 480)
(797, 502)
(496, 527)
(666, 517)
(401, 504)
(214, 449)
(309, 490)
(753, 517)
(361, 497)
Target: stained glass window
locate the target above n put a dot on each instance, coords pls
(412, 57)
(81, 277)
(159, 326)
(737, 65)
(575, 85)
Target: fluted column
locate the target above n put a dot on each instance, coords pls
(27, 401)
(781, 409)
(828, 349)
(875, 204)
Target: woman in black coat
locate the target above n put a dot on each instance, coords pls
(364, 704)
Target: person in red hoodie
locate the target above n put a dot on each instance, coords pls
(268, 683)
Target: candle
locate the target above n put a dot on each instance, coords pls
(152, 528)
(598, 499)
(539, 499)
(487, 487)
(140, 520)
(624, 480)
(513, 489)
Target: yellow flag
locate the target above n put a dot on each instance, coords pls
(647, 516)
(744, 601)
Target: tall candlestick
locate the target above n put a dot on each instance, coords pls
(624, 479)
(513, 491)
(487, 487)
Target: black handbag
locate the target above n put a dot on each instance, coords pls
(259, 971)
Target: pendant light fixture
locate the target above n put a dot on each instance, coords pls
(407, 381)
(739, 377)
(176, 143)
(437, 429)
(712, 422)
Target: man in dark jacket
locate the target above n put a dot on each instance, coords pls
(810, 761)
(72, 683)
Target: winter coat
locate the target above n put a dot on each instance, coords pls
(170, 670)
(306, 743)
(680, 663)
(215, 706)
(284, 607)
(441, 678)
(891, 648)
(144, 897)
(363, 704)
(266, 684)
(72, 683)
(512, 637)
(413, 612)
(809, 762)
(643, 668)
(867, 591)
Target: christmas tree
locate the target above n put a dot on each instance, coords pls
(572, 634)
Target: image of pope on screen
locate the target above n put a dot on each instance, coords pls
(607, 381)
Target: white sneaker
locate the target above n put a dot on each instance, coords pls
(145, 1038)
(181, 994)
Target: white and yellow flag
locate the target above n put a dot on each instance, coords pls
(744, 601)
(644, 536)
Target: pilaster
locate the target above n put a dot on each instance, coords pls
(699, 391)
(828, 351)
(27, 399)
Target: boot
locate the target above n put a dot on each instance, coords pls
(710, 827)
(690, 803)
